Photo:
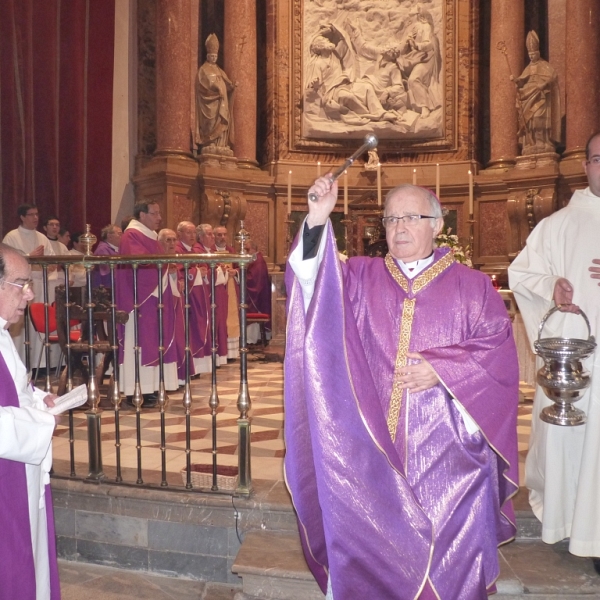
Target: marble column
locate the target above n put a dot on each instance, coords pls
(240, 65)
(583, 74)
(508, 26)
(173, 52)
(171, 176)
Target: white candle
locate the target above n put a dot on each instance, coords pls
(345, 192)
(437, 180)
(470, 192)
(378, 184)
(414, 177)
(319, 169)
(289, 196)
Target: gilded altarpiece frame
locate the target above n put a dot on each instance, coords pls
(365, 34)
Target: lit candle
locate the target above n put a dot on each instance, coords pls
(378, 184)
(470, 192)
(289, 193)
(437, 180)
(414, 177)
(319, 169)
(345, 192)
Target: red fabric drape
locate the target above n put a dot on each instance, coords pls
(56, 83)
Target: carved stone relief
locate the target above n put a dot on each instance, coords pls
(376, 68)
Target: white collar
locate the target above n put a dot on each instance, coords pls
(412, 269)
(188, 248)
(26, 231)
(139, 226)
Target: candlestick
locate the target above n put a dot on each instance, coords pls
(470, 192)
(289, 195)
(378, 184)
(437, 180)
(414, 177)
(319, 169)
(345, 192)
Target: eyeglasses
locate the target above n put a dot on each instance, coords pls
(25, 287)
(410, 220)
(595, 160)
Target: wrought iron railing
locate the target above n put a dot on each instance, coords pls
(94, 412)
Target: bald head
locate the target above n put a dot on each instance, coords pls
(186, 232)
(167, 238)
(15, 285)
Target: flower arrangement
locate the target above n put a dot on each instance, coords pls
(446, 239)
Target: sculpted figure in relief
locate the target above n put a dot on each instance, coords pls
(377, 69)
(331, 81)
(421, 61)
(538, 102)
(214, 92)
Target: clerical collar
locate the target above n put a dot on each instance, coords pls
(188, 248)
(115, 248)
(221, 248)
(52, 239)
(412, 269)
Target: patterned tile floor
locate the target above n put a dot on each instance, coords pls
(266, 393)
(265, 383)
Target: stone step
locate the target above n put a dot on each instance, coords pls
(272, 567)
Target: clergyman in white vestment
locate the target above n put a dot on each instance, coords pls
(562, 469)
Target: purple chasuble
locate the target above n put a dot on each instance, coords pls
(17, 571)
(258, 287)
(135, 242)
(101, 274)
(222, 302)
(394, 497)
(199, 295)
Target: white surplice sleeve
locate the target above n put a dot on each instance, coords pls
(306, 270)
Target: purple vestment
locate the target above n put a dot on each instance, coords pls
(258, 287)
(134, 242)
(395, 498)
(222, 302)
(101, 273)
(17, 571)
(200, 342)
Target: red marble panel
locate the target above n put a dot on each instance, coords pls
(493, 228)
(257, 224)
(183, 208)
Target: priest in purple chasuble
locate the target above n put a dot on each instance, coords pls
(110, 240)
(28, 567)
(206, 242)
(233, 293)
(199, 291)
(258, 290)
(140, 238)
(401, 392)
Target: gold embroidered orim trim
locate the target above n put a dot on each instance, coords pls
(408, 312)
(423, 279)
(395, 272)
(426, 277)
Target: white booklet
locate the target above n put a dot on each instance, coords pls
(76, 397)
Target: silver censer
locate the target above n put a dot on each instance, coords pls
(563, 377)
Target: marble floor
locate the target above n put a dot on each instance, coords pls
(265, 383)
